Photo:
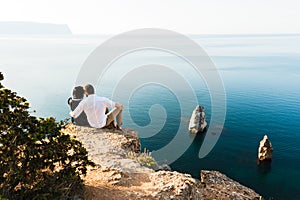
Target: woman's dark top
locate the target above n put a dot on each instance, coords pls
(81, 120)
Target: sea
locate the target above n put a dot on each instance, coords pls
(261, 79)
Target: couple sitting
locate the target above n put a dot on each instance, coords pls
(93, 110)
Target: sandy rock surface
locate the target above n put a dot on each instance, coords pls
(117, 177)
(216, 185)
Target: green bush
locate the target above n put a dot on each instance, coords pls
(37, 161)
(144, 158)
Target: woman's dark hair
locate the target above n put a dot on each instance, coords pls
(78, 92)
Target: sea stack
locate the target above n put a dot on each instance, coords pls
(198, 120)
(265, 150)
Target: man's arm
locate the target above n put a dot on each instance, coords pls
(77, 111)
(111, 104)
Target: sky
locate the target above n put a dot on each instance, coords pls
(184, 16)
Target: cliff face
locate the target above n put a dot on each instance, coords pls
(216, 185)
(118, 177)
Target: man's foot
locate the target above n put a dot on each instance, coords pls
(119, 128)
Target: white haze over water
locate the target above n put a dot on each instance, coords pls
(44, 69)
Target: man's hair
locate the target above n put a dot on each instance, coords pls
(89, 89)
(78, 92)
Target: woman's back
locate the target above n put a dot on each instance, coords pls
(81, 120)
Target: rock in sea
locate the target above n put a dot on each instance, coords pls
(198, 120)
(265, 150)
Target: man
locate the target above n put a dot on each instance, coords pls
(94, 108)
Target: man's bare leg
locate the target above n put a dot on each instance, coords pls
(115, 113)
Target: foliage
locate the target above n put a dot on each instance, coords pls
(37, 161)
(144, 158)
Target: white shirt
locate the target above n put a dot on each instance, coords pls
(94, 108)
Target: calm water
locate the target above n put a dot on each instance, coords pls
(261, 75)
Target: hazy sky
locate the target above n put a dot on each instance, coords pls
(185, 16)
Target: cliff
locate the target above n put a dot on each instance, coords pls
(116, 176)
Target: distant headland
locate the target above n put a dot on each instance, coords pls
(33, 28)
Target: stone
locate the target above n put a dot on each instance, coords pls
(216, 185)
(198, 120)
(115, 176)
(163, 167)
(265, 150)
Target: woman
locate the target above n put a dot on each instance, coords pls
(78, 94)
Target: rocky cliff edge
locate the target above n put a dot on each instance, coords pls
(116, 176)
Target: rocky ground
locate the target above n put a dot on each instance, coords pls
(117, 177)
